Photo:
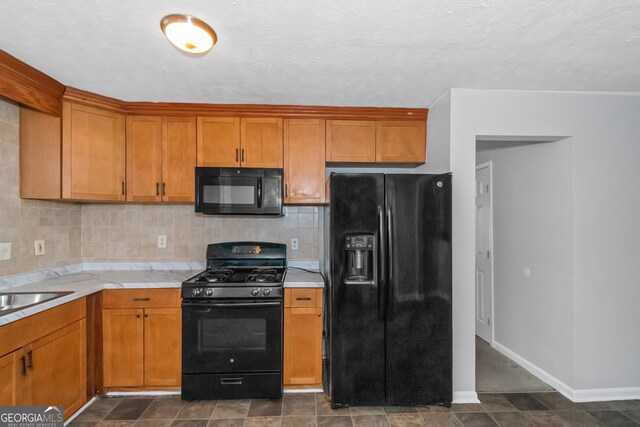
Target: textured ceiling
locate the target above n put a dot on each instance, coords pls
(359, 53)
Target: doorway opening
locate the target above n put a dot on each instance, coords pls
(523, 261)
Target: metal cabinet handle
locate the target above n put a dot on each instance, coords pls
(286, 190)
(303, 298)
(142, 299)
(164, 188)
(243, 155)
(230, 381)
(30, 358)
(23, 371)
(123, 188)
(157, 188)
(236, 154)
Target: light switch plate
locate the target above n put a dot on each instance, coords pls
(162, 241)
(39, 247)
(5, 251)
(294, 244)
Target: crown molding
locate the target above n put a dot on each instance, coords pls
(91, 99)
(26, 85)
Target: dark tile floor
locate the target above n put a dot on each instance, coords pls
(310, 410)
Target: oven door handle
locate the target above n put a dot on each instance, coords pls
(233, 305)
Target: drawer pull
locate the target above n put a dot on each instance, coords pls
(231, 381)
(30, 358)
(23, 371)
(303, 298)
(142, 299)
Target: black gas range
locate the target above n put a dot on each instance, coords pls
(232, 323)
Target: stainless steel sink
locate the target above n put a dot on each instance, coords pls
(10, 302)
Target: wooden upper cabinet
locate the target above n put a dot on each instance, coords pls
(40, 163)
(178, 159)
(401, 142)
(93, 153)
(219, 141)
(304, 160)
(261, 143)
(57, 364)
(351, 141)
(144, 158)
(162, 343)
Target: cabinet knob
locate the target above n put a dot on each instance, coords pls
(137, 315)
(146, 315)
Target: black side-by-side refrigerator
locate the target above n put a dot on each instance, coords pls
(389, 268)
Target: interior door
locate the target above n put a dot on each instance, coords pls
(484, 253)
(418, 327)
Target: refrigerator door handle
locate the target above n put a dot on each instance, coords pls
(382, 261)
(389, 261)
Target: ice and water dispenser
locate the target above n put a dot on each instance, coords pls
(361, 259)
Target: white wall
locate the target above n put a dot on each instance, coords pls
(533, 217)
(605, 129)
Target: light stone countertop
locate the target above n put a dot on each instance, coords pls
(303, 279)
(88, 282)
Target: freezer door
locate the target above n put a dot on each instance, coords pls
(418, 328)
(356, 325)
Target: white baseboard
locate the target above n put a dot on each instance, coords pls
(465, 397)
(575, 395)
(603, 394)
(535, 370)
(79, 411)
(141, 393)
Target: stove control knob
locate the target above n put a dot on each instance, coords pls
(209, 292)
(197, 292)
(254, 292)
(266, 292)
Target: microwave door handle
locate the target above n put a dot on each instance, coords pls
(259, 192)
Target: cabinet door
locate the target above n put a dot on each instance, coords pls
(144, 158)
(351, 141)
(401, 142)
(261, 143)
(93, 153)
(304, 160)
(11, 377)
(123, 347)
(178, 159)
(219, 141)
(303, 346)
(162, 346)
(57, 365)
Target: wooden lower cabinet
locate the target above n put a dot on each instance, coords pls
(57, 367)
(142, 339)
(162, 346)
(303, 337)
(49, 371)
(123, 330)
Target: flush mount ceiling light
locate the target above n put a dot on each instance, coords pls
(188, 33)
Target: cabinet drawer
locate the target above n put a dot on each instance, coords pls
(303, 297)
(141, 298)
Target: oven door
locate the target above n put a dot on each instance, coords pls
(222, 337)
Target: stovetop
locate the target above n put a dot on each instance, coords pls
(238, 276)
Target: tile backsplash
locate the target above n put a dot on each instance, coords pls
(75, 232)
(22, 222)
(121, 233)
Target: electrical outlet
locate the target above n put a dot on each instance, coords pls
(5, 251)
(162, 241)
(39, 247)
(294, 244)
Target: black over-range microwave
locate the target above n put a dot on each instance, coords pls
(239, 191)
